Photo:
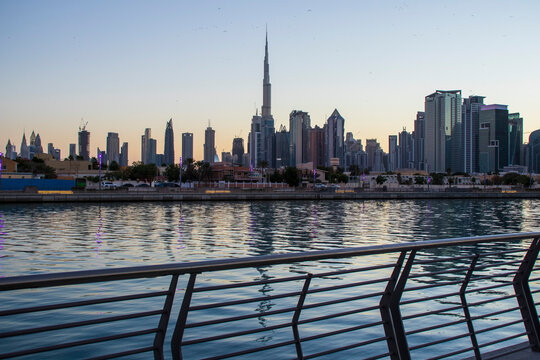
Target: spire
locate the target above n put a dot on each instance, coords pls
(266, 107)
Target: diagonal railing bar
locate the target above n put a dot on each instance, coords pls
(176, 342)
(388, 311)
(164, 320)
(467, 313)
(524, 296)
(296, 316)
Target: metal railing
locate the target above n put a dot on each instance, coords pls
(437, 299)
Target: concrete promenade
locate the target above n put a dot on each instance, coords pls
(173, 194)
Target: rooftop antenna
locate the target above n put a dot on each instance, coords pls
(208, 122)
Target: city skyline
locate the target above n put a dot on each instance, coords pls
(351, 69)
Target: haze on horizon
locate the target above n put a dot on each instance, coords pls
(125, 66)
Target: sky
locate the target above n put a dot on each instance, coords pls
(124, 66)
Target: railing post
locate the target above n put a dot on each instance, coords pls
(159, 339)
(466, 311)
(390, 312)
(524, 297)
(296, 316)
(176, 342)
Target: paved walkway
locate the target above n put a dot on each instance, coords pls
(511, 353)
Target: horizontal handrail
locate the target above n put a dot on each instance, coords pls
(89, 276)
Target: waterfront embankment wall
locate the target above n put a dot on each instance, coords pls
(117, 196)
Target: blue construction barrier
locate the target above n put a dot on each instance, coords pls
(41, 184)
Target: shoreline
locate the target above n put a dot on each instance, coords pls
(221, 195)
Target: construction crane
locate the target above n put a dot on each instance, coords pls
(82, 126)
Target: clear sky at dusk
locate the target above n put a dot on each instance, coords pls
(124, 66)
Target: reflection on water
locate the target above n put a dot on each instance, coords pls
(60, 237)
(2, 234)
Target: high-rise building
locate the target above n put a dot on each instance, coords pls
(515, 138)
(354, 152)
(168, 151)
(299, 125)
(372, 146)
(406, 150)
(317, 147)
(442, 137)
(148, 148)
(334, 138)
(534, 152)
(419, 131)
(226, 157)
(57, 154)
(393, 156)
(50, 148)
(113, 148)
(73, 151)
(261, 139)
(38, 149)
(209, 145)
(470, 115)
(187, 146)
(11, 151)
(237, 150)
(24, 153)
(123, 158)
(84, 143)
(282, 147)
(493, 138)
(255, 141)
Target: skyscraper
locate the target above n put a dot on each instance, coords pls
(73, 151)
(299, 125)
(334, 138)
(419, 131)
(237, 150)
(24, 153)
(256, 141)
(187, 146)
(534, 152)
(406, 151)
(442, 137)
(84, 143)
(123, 158)
(317, 146)
(470, 114)
(261, 140)
(209, 145)
(493, 138)
(113, 148)
(282, 147)
(515, 138)
(372, 146)
(148, 148)
(11, 151)
(37, 144)
(168, 151)
(393, 157)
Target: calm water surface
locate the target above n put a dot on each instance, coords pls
(64, 237)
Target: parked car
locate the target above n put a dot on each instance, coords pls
(319, 186)
(142, 185)
(108, 185)
(127, 185)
